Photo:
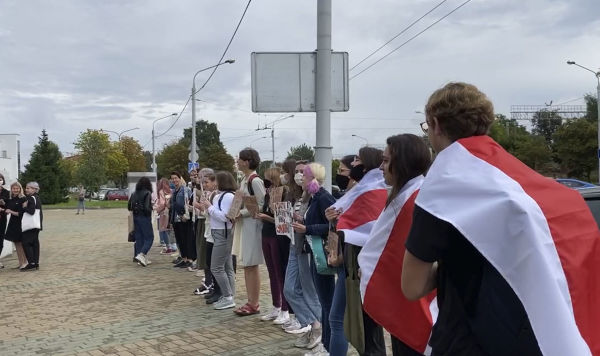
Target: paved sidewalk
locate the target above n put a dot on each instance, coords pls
(89, 298)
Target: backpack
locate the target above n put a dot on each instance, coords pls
(250, 189)
(138, 206)
(219, 204)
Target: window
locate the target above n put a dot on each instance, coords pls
(4, 154)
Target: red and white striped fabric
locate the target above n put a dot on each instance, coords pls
(380, 263)
(538, 234)
(361, 206)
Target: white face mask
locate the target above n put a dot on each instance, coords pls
(283, 179)
(298, 178)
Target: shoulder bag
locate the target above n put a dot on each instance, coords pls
(29, 221)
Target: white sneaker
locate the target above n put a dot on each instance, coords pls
(296, 328)
(272, 315)
(224, 303)
(282, 318)
(288, 323)
(318, 351)
(141, 259)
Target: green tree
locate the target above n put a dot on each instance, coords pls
(117, 165)
(211, 152)
(508, 133)
(45, 168)
(132, 150)
(301, 152)
(335, 164)
(69, 169)
(545, 123)
(173, 157)
(575, 146)
(591, 106)
(94, 147)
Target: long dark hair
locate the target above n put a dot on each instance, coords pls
(144, 183)
(226, 182)
(409, 158)
(294, 191)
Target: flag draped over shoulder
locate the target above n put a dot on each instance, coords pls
(381, 261)
(538, 234)
(361, 206)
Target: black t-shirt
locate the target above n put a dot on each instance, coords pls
(268, 228)
(479, 314)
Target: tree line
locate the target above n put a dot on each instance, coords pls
(551, 145)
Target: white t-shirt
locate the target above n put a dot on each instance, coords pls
(218, 217)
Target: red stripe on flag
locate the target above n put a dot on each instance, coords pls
(409, 321)
(366, 207)
(573, 228)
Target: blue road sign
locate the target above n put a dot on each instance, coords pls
(193, 165)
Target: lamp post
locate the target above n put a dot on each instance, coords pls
(266, 127)
(193, 156)
(362, 138)
(153, 138)
(597, 75)
(119, 133)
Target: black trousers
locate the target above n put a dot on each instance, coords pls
(401, 349)
(31, 246)
(209, 279)
(186, 240)
(374, 341)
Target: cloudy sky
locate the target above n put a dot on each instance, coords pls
(115, 64)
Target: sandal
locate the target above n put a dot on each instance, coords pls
(247, 309)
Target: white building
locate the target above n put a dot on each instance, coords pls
(9, 167)
(9, 157)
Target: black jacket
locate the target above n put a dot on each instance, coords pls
(140, 203)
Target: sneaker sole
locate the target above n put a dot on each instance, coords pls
(227, 306)
(297, 331)
(280, 322)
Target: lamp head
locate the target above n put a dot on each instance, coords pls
(570, 62)
(230, 61)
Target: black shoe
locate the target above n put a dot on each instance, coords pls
(177, 260)
(214, 298)
(186, 264)
(29, 267)
(181, 263)
(210, 293)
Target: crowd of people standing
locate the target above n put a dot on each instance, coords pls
(422, 248)
(21, 222)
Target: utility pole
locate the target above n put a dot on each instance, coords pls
(271, 126)
(323, 149)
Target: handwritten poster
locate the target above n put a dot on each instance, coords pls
(284, 216)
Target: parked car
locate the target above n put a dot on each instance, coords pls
(592, 198)
(102, 192)
(118, 194)
(575, 183)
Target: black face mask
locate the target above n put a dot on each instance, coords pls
(342, 181)
(357, 172)
(268, 183)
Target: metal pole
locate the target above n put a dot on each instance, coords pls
(323, 153)
(273, 145)
(598, 107)
(193, 148)
(153, 152)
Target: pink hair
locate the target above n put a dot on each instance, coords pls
(313, 185)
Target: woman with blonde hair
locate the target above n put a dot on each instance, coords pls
(316, 228)
(13, 211)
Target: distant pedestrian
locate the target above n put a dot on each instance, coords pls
(140, 203)
(4, 195)
(13, 212)
(80, 199)
(31, 242)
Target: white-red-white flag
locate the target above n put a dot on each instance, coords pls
(361, 206)
(380, 262)
(538, 234)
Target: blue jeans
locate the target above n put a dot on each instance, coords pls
(338, 345)
(299, 288)
(144, 235)
(325, 285)
(164, 237)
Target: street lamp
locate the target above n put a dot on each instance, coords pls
(153, 137)
(597, 75)
(119, 133)
(266, 127)
(362, 138)
(193, 148)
